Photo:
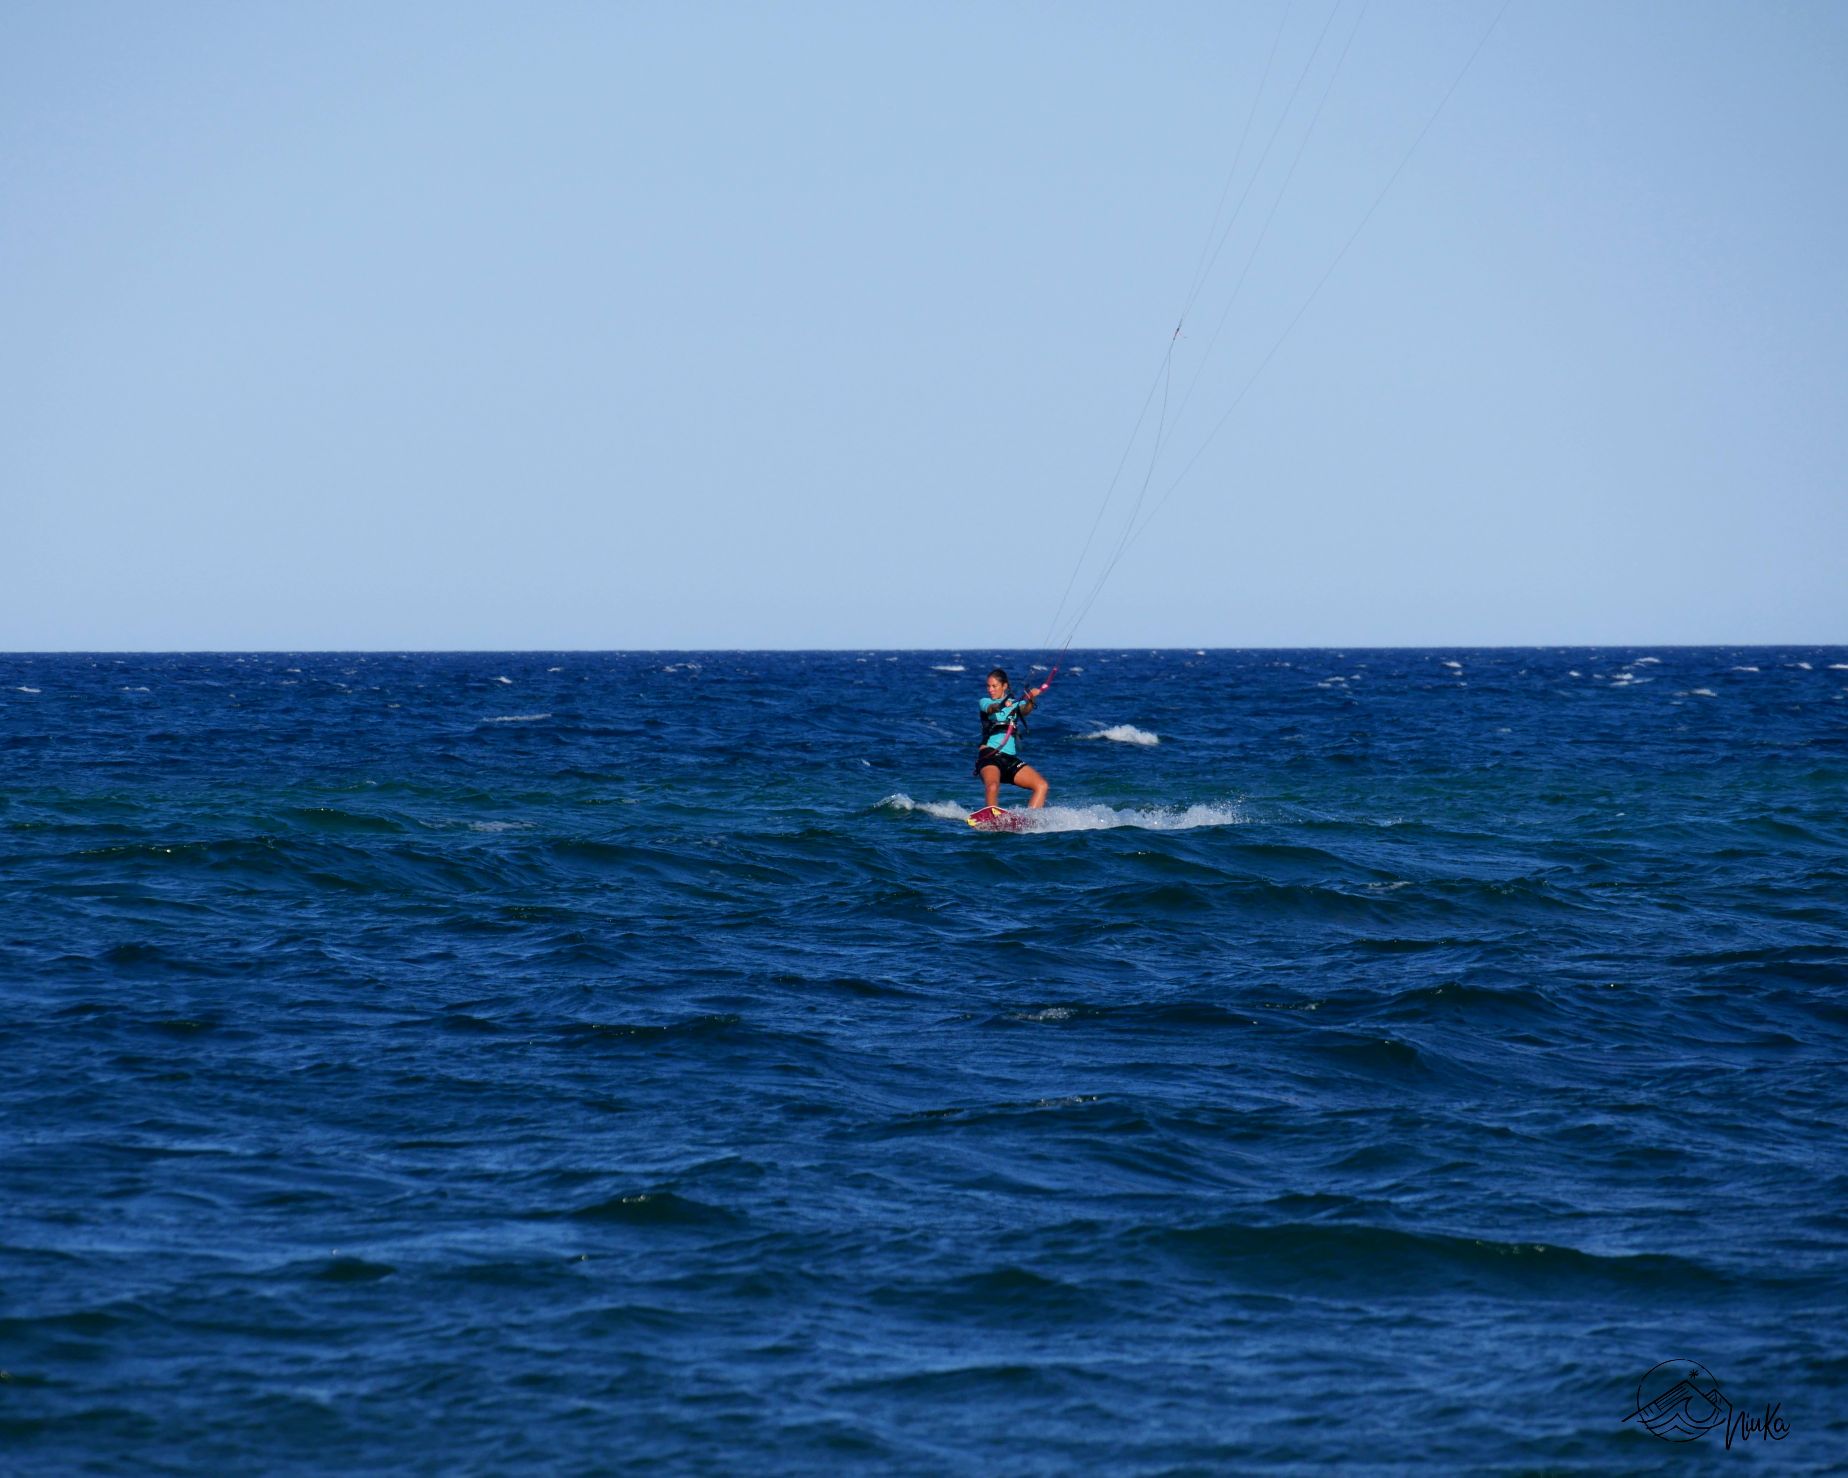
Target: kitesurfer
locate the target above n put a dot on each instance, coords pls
(999, 758)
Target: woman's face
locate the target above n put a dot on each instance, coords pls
(996, 688)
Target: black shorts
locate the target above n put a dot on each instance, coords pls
(1009, 765)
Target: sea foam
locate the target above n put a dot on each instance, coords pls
(1087, 818)
(947, 810)
(1108, 818)
(1124, 734)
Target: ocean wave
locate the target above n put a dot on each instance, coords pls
(948, 667)
(1358, 1256)
(652, 1208)
(516, 718)
(947, 810)
(1107, 818)
(1124, 734)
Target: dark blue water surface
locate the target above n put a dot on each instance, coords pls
(467, 1062)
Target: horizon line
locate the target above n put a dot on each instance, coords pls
(1190, 649)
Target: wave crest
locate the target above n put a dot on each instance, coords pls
(1124, 734)
(1152, 818)
(948, 810)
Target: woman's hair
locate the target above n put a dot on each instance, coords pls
(1000, 673)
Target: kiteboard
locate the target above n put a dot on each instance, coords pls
(993, 818)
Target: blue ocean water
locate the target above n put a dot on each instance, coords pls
(461, 1063)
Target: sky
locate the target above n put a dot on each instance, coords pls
(623, 326)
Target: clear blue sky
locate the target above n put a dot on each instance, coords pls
(545, 325)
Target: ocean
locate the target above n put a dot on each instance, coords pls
(468, 1063)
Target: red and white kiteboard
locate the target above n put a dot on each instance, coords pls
(993, 818)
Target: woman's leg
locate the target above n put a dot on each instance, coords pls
(991, 782)
(1028, 778)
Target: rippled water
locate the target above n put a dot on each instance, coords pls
(453, 1063)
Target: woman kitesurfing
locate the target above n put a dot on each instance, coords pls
(1003, 720)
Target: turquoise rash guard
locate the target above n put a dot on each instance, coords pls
(997, 714)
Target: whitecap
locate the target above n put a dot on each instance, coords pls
(1454, 666)
(948, 667)
(26, 690)
(507, 680)
(499, 825)
(516, 718)
(1647, 662)
(1085, 818)
(1107, 818)
(1124, 734)
(947, 810)
(1838, 667)
(1701, 693)
(135, 690)
(1804, 665)
(555, 669)
(1575, 673)
(1745, 669)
